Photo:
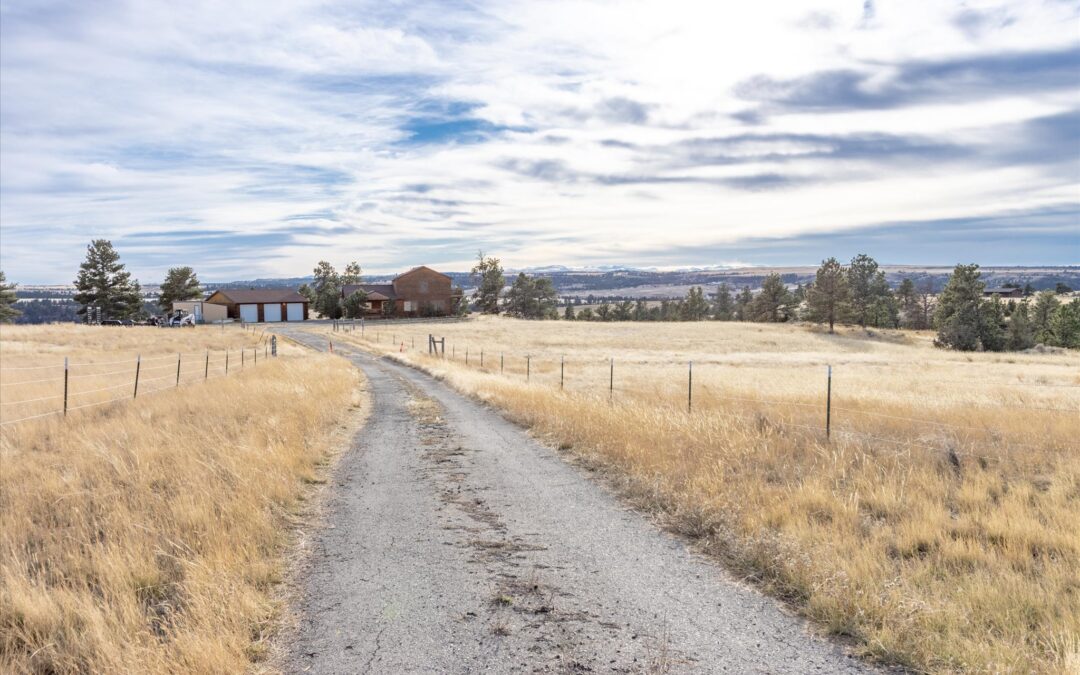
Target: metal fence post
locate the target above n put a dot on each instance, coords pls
(65, 385)
(206, 370)
(611, 381)
(138, 367)
(828, 405)
(562, 371)
(226, 361)
(273, 346)
(255, 353)
(178, 370)
(690, 388)
(501, 363)
(528, 368)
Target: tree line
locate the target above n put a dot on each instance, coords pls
(852, 294)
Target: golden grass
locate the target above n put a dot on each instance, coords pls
(940, 548)
(147, 536)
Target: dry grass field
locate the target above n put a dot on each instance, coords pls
(937, 528)
(147, 535)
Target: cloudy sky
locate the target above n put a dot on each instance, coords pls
(254, 138)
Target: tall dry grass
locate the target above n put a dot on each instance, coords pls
(938, 527)
(147, 536)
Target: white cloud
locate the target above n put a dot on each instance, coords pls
(151, 116)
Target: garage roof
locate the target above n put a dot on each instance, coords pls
(256, 295)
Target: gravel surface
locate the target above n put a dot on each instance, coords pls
(456, 543)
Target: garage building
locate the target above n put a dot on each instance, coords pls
(257, 305)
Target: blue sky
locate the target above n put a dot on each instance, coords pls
(251, 139)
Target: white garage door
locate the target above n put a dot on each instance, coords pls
(272, 312)
(249, 313)
(295, 311)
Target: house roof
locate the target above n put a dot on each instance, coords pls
(256, 295)
(421, 267)
(386, 291)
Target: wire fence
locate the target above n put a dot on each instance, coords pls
(35, 392)
(817, 409)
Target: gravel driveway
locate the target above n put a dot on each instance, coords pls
(455, 543)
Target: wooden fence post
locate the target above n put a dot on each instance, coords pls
(206, 370)
(690, 388)
(528, 368)
(226, 361)
(828, 405)
(178, 370)
(138, 367)
(65, 385)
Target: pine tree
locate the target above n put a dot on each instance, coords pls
(354, 305)
(773, 303)
(488, 274)
(8, 313)
(724, 309)
(1065, 325)
(641, 311)
(829, 298)
(907, 299)
(180, 284)
(958, 317)
(568, 313)
(869, 292)
(1020, 335)
(742, 304)
(104, 283)
(327, 287)
(992, 335)
(1042, 316)
(695, 307)
(624, 311)
(603, 312)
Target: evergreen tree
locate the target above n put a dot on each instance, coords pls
(603, 312)
(531, 298)
(695, 307)
(926, 306)
(568, 314)
(641, 311)
(724, 309)
(742, 304)
(1042, 316)
(1029, 290)
(624, 311)
(1065, 325)
(327, 287)
(869, 292)
(352, 275)
(959, 316)
(354, 305)
(488, 274)
(773, 303)
(829, 298)
(907, 299)
(180, 284)
(103, 282)
(992, 335)
(8, 313)
(308, 292)
(586, 314)
(1020, 335)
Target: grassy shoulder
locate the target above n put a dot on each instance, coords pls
(941, 553)
(149, 536)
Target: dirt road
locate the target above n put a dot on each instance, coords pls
(455, 543)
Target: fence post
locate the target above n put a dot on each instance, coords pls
(690, 389)
(528, 368)
(611, 381)
(206, 370)
(178, 370)
(828, 405)
(226, 361)
(273, 346)
(500, 364)
(65, 385)
(562, 371)
(138, 367)
(255, 353)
